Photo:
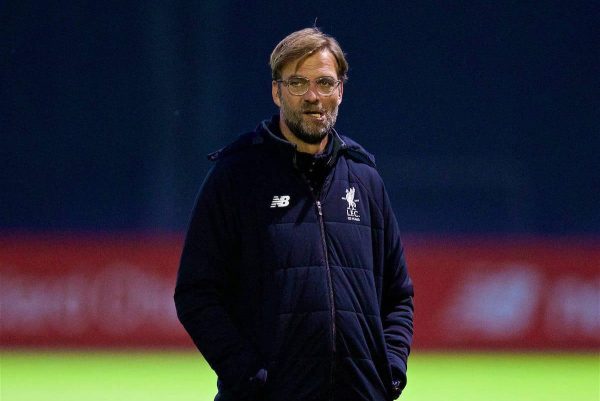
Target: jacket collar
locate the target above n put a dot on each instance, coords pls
(340, 145)
(264, 134)
(333, 147)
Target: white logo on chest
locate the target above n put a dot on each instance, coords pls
(280, 201)
(351, 211)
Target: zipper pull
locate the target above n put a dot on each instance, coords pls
(319, 208)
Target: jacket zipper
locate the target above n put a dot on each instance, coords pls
(328, 269)
(321, 219)
(331, 298)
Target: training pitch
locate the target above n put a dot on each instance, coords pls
(177, 376)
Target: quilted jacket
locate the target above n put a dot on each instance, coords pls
(308, 287)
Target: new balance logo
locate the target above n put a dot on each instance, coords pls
(280, 201)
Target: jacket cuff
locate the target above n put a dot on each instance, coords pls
(398, 367)
(239, 381)
(253, 380)
(259, 379)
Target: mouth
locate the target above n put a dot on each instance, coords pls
(314, 114)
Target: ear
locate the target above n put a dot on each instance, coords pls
(340, 92)
(275, 93)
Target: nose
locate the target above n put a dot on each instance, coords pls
(311, 94)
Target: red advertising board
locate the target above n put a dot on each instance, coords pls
(471, 293)
(89, 290)
(506, 294)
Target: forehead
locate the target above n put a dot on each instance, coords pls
(319, 64)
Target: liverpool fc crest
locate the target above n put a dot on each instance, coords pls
(351, 210)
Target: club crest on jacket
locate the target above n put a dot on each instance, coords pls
(351, 210)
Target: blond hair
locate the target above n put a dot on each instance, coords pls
(301, 44)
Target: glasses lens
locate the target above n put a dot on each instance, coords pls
(326, 85)
(298, 85)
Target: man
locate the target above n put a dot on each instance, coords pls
(292, 281)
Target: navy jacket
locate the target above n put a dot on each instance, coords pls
(310, 285)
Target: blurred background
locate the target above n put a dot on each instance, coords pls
(484, 118)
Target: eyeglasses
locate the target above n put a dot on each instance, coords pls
(298, 86)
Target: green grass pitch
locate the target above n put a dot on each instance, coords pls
(178, 376)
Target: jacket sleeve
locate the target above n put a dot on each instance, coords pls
(397, 300)
(202, 280)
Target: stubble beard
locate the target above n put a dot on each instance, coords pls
(306, 132)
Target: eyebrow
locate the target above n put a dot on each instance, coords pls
(302, 76)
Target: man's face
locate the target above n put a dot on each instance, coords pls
(311, 116)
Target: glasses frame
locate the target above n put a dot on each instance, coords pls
(286, 83)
